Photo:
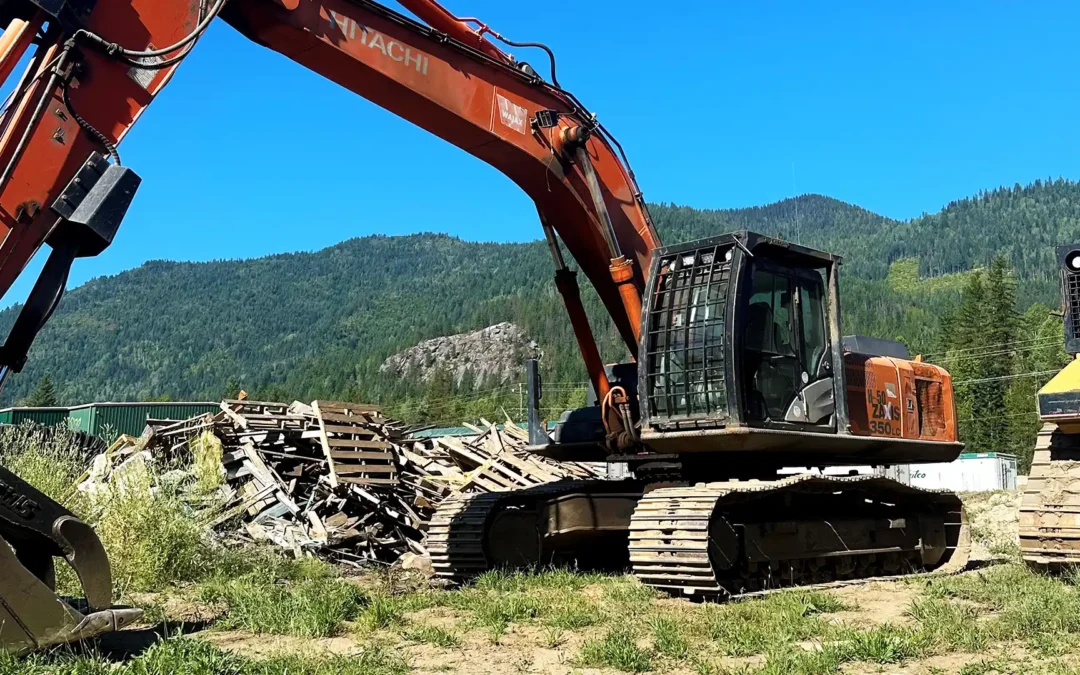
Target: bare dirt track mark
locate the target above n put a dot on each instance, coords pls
(878, 602)
(260, 646)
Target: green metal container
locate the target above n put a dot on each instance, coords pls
(45, 416)
(109, 420)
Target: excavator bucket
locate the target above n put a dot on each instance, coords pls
(36, 530)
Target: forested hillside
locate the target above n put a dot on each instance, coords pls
(319, 324)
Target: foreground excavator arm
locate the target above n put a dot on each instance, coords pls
(94, 66)
(94, 72)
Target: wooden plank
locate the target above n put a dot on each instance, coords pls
(355, 443)
(535, 472)
(361, 418)
(487, 484)
(517, 480)
(348, 454)
(324, 441)
(353, 469)
(369, 481)
(355, 431)
(290, 455)
(363, 407)
(240, 421)
(243, 506)
(455, 447)
(477, 430)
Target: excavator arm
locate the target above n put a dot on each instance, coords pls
(90, 70)
(86, 88)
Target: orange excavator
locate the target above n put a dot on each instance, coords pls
(735, 363)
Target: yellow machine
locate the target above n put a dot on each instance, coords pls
(1050, 508)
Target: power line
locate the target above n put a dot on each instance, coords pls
(995, 346)
(1014, 350)
(1008, 377)
(446, 401)
(459, 398)
(998, 417)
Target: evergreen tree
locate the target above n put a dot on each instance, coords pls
(999, 330)
(964, 358)
(44, 395)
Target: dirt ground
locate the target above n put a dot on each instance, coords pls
(994, 520)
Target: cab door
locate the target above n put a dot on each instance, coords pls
(787, 376)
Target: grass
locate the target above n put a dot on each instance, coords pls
(668, 638)
(432, 635)
(758, 626)
(497, 600)
(382, 611)
(153, 539)
(311, 606)
(207, 453)
(188, 656)
(617, 649)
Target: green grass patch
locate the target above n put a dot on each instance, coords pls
(383, 611)
(48, 458)
(309, 608)
(1028, 606)
(188, 656)
(616, 649)
(572, 614)
(497, 612)
(499, 599)
(153, 538)
(518, 581)
(669, 638)
(628, 590)
(431, 635)
(759, 626)
(950, 625)
(881, 644)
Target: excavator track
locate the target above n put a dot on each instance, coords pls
(709, 540)
(456, 538)
(1050, 505)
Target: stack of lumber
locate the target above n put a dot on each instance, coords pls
(336, 479)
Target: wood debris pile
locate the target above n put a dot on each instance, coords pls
(335, 479)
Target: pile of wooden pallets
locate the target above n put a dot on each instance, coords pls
(338, 479)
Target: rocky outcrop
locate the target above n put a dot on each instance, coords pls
(494, 354)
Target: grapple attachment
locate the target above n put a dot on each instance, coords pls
(35, 530)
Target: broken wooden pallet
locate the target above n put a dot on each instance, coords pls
(355, 441)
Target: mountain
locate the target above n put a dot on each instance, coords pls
(320, 324)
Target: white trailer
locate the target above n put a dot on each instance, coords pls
(971, 472)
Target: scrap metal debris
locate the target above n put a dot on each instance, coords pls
(334, 479)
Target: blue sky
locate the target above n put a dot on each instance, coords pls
(897, 107)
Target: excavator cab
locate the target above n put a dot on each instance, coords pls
(785, 347)
(741, 355)
(736, 335)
